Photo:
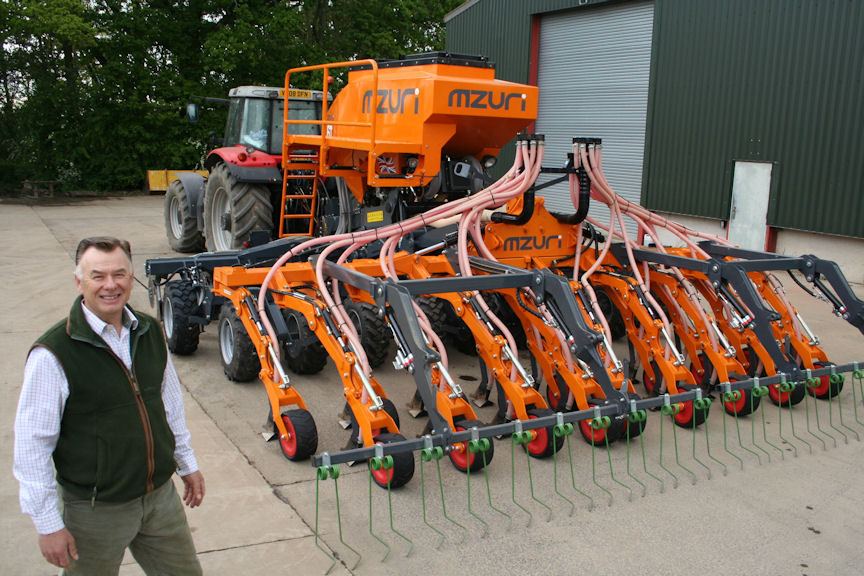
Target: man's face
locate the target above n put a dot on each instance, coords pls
(105, 283)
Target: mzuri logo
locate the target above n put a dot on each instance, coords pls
(392, 101)
(484, 99)
(532, 242)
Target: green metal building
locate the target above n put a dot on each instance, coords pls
(697, 101)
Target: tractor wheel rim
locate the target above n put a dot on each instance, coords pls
(175, 217)
(220, 215)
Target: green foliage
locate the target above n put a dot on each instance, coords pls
(92, 91)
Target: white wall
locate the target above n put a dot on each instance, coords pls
(847, 252)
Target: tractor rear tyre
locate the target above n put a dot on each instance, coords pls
(403, 464)
(237, 353)
(233, 209)
(179, 304)
(181, 226)
(302, 439)
(436, 312)
(374, 334)
(302, 352)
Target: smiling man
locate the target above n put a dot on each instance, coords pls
(101, 399)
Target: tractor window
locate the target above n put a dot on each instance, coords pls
(256, 119)
(235, 118)
(301, 110)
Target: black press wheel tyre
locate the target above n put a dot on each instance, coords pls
(786, 398)
(403, 464)
(742, 403)
(462, 458)
(389, 408)
(233, 209)
(545, 443)
(689, 415)
(179, 304)
(653, 384)
(826, 388)
(633, 429)
(181, 226)
(600, 436)
(236, 351)
(302, 352)
(302, 439)
(375, 336)
(557, 401)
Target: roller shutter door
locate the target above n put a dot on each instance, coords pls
(593, 72)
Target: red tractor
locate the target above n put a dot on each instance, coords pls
(243, 191)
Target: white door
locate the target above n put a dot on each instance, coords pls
(751, 187)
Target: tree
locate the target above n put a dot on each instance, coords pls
(92, 90)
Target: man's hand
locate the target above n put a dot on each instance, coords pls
(58, 547)
(194, 492)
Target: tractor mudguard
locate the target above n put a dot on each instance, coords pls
(194, 184)
(255, 174)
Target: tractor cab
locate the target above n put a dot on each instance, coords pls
(256, 116)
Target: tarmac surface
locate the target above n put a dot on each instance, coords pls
(801, 513)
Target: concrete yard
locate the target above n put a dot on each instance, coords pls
(794, 515)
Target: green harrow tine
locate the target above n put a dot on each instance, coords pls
(612, 472)
(322, 473)
(426, 455)
(857, 377)
(473, 447)
(812, 383)
(757, 391)
(558, 431)
(738, 428)
(780, 425)
(645, 460)
(385, 463)
(700, 404)
(373, 462)
(731, 396)
(597, 424)
(489, 490)
(517, 438)
(840, 408)
(763, 391)
(819, 423)
(444, 502)
(671, 410)
(794, 435)
(531, 484)
(635, 417)
(708, 444)
(573, 476)
(663, 466)
(835, 379)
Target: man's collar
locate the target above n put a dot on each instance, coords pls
(98, 325)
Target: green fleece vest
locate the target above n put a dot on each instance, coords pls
(115, 444)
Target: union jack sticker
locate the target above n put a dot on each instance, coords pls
(386, 165)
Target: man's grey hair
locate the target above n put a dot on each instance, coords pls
(103, 244)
